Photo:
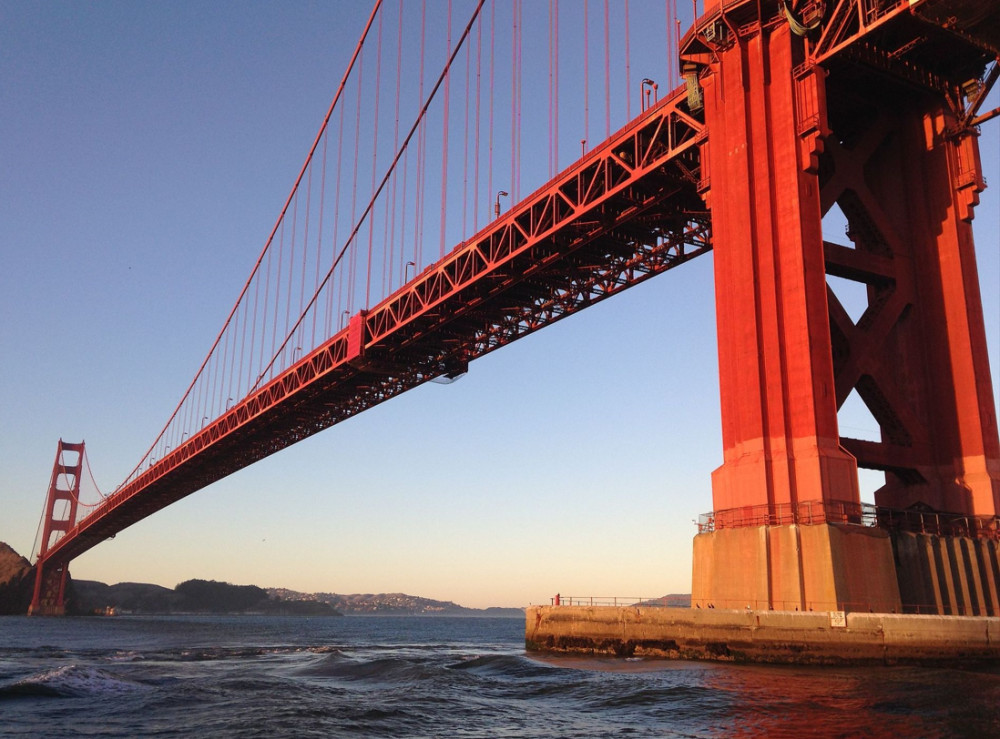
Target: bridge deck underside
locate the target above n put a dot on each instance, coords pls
(628, 210)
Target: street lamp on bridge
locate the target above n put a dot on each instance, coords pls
(496, 208)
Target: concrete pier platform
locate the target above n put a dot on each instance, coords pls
(790, 637)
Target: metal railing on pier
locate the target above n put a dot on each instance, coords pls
(922, 609)
(937, 609)
(863, 514)
(620, 601)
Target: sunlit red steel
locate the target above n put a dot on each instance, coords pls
(867, 105)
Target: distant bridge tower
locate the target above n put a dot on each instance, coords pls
(61, 507)
(869, 105)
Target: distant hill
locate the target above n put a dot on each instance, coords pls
(192, 596)
(673, 600)
(90, 596)
(392, 604)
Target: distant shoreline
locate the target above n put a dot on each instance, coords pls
(240, 614)
(203, 597)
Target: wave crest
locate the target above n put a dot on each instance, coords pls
(70, 681)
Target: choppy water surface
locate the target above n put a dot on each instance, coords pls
(436, 677)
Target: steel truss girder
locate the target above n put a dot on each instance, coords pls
(626, 211)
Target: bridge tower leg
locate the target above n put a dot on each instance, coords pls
(788, 531)
(59, 516)
(907, 181)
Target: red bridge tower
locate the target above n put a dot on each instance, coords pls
(59, 517)
(869, 105)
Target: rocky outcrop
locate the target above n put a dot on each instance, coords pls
(17, 581)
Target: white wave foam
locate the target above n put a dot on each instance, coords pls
(78, 680)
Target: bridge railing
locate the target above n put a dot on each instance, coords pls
(619, 601)
(865, 514)
(932, 609)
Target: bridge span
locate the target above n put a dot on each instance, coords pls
(789, 110)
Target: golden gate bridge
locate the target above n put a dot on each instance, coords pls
(383, 271)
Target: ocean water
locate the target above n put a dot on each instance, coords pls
(250, 676)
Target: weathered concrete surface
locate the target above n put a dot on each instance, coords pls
(761, 636)
(947, 575)
(819, 567)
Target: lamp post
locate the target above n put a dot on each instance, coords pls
(496, 208)
(644, 91)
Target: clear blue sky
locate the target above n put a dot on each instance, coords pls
(146, 150)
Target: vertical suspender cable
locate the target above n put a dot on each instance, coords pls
(552, 92)
(232, 360)
(628, 69)
(388, 248)
(305, 248)
(555, 61)
(265, 327)
(418, 213)
(253, 332)
(333, 304)
(677, 46)
(671, 49)
(391, 262)
(513, 95)
(406, 180)
(353, 261)
(465, 156)
(223, 386)
(277, 286)
(490, 187)
(319, 231)
(291, 264)
(475, 175)
(520, 109)
(444, 144)
(515, 113)
(378, 95)
(607, 72)
(586, 73)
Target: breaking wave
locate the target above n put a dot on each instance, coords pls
(70, 681)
